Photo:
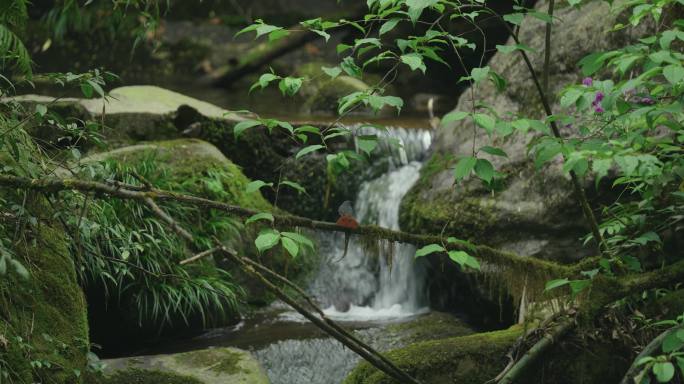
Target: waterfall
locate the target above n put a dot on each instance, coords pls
(375, 284)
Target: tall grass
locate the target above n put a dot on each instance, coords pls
(123, 248)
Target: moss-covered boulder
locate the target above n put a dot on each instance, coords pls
(187, 159)
(207, 366)
(532, 213)
(479, 358)
(468, 359)
(44, 328)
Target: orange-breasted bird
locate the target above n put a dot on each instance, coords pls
(347, 221)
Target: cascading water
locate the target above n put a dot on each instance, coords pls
(370, 288)
(367, 285)
(372, 284)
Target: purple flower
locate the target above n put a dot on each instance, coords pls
(588, 81)
(599, 97)
(648, 100)
(599, 109)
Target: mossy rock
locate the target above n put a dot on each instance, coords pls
(207, 366)
(468, 359)
(44, 316)
(187, 159)
(136, 113)
(432, 326)
(141, 376)
(480, 357)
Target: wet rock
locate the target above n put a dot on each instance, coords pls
(207, 366)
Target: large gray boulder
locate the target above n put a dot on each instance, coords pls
(133, 113)
(534, 213)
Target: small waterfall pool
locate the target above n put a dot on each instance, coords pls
(368, 290)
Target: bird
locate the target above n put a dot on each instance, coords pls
(347, 221)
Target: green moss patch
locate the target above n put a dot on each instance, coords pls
(472, 359)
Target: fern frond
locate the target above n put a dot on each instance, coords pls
(13, 52)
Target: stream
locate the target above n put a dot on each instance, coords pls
(368, 290)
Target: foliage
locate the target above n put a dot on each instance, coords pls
(123, 247)
(621, 126)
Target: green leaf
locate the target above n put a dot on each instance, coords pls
(388, 26)
(416, 7)
(514, 18)
(484, 170)
(289, 86)
(570, 97)
(290, 245)
(498, 81)
(19, 269)
(464, 259)
(243, 126)
(513, 48)
(257, 185)
(577, 286)
(414, 61)
(494, 151)
(293, 185)
(429, 249)
(306, 150)
(378, 102)
(454, 116)
(41, 110)
(464, 166)
(98, 89)
(264, 80)
(350, 68)
(259, 216)
(367, 143)
(479, 74)
(553, 284)
(547, 151)
(87, 90)
(673, 73)
(267, 239)
(485, 121)
(300, 239)
(663, 371)
(333, 72)
(309, 129)
(672, 343)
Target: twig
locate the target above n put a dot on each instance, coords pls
(537, 351)
(200, 255)
(168, 219)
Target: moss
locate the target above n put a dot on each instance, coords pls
(435, 325)
(140, 376)
(220, 361)
(472, 359)
(208, 366)
(193, 160)
(47, 311)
